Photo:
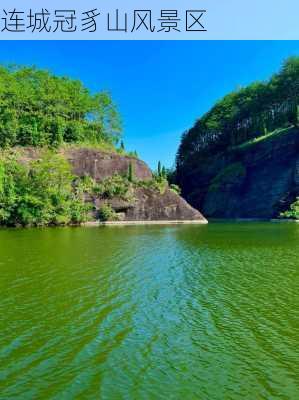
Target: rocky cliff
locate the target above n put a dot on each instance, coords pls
(143, 203)
(100, 165)
(258, 179)
(150, 205)
(146, 203)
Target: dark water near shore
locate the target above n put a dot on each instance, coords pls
(172, 312)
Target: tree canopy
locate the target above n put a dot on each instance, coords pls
(41, 192)
(40, 109)
(244, 114)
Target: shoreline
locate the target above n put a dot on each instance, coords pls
(183, 222)
(154, 222)
(253, 220)
(284, 220)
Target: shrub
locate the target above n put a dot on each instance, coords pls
(293, 212)
(106, 213)
(158, 183)
(175, 188)
(41, 192)
(114, 186)
(133, 154)
(86, 184)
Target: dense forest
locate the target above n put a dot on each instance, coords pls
(42, 192)
(43, 110)
(40, 109)
(242, 115)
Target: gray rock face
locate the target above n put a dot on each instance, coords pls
(148, 204)
(152, 205)
(257, 181)
(100, 165)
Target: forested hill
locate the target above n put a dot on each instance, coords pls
(247, 113)
(240, 159)
(59, 163)
(38, 109)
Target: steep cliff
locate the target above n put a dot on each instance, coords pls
(257, 179)
(240, 159)
(100, 165)
(145, 203)
(142, 200)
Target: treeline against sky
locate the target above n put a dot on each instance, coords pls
(40, 109)
(244, 114)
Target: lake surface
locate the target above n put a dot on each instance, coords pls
(170, 312)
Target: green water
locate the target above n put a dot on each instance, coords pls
(171, 312)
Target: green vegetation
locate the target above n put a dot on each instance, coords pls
(229, 175)
(40, 109)
(293, 212)
(131, 173)
(161, 172)
(242, 116)
(133, 154)
(269, 135)
(123, 187)
(114, 186)
(42, 192)
(106, 213)
(175, 188)
(157, 183)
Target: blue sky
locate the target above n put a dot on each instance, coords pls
(160, 87)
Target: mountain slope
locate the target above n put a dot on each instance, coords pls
(141, 199)
(259, 180)
(240, 159)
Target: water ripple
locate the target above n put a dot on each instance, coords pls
(150, 313)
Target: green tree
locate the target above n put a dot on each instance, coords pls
(240, 116)
(130, 172)
(159, 168)
(293, 212)
(38, 108)
(39, 193)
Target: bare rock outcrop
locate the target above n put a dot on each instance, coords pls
(148, 204)
(255, 181)
(100, 165)
(151, 205)
(145, 204)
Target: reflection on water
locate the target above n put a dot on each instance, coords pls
(179, 312)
